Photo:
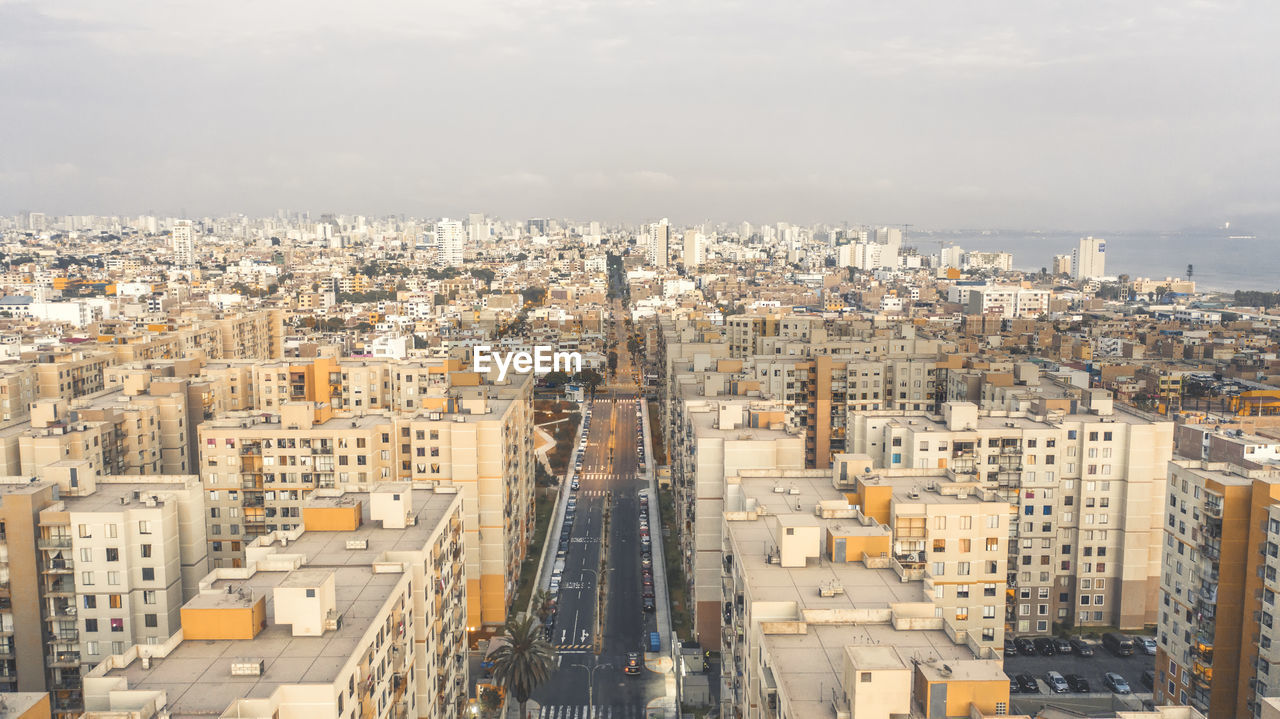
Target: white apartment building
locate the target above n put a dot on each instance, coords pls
(121, 556)
(183, 242)
(1008, 302)
(658, 243)
(450, 236)
(1089, 259)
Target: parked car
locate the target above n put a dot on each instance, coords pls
(1149, 679)
(632, 667)
(1081, 648)
(648, 604)
(1116, 683)
(1044, 646)
(1014, 688)
(1077, 683)
(1025, 646)
(1010, 649)
(1062, 646)
(1118, 644)
(574, 485)
(1056, 683)
(1028, 684)
(1148, 646)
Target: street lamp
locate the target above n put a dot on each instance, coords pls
(591, 683)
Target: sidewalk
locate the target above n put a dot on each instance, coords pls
(552, 541)
(667, 703)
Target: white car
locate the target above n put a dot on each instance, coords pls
(1148, 646)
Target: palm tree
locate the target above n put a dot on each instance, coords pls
(542, 604)
(525, 660)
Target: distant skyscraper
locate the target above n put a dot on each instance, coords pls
(744, 231)
(184, 244)
(477, 231)
(1089, 260)
(891, 239)
(1061, 265)
(694, 252)
(449, 238)
(659, 239)
(952, 257)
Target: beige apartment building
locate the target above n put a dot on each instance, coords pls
(1216, 635)
(711, 440)
(827, 608)
(92, 564)
(359, 612)
(1087, 479)
(260, 468)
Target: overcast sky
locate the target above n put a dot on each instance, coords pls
(948, 114)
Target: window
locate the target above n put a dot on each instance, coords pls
(114, 601)
(149, 596)
(113, 554)
(144, 527)
(91, 625)
(148, 574)
(84, 531)
(150, 620)
(113, 577)
(864, 677)
(86, 554)
(311, 593)
(90, 601)
(146, 550)
(117, 625)
(86, 578)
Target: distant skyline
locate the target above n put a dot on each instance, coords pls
(1144, 115)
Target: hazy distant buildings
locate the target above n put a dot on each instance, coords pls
(1061, 265)
(1089, 260)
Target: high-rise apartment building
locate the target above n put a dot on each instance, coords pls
(358, 612)
(659, 240)
(1089, 259)
(449, 242)
(183, 241)
(1088, 479)
(1216, 632)
(694, 249)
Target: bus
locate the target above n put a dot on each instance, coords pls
(1118, 644)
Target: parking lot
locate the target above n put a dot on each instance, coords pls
(1091, 668)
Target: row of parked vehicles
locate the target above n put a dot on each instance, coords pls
(1025, 683)
(646, 554)
(1120, 645)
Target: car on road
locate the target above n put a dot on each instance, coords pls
(1082, 648)
(1014, 688)
(1044, 646)
(1116, 683)
(555, 586)
(1028, 683)
(1010, 649)
(649, 605)
(1025, 646)
(632, 667)
(1077, 683)
(646, 562)
(1062, 646)
(1056, 683)
(574, 485)
(1148, 646)
(647, 592)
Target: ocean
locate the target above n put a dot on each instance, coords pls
(1218, 262)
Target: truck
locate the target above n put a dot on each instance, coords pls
(655, 642)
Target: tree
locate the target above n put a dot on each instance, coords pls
(490, 703)
(543, 604)
(534, 295)
(613, 361)
(525, 660)
(590, 379)
(633, 345)
(555, 379)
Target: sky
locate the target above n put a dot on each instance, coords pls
(983, 113)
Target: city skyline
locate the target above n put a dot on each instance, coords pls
(993, 116)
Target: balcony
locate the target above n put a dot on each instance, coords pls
(1213, 506)
(54, 542)
(63, 660)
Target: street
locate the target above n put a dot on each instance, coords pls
(586, 685)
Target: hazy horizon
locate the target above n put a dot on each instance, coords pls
(1146, 116)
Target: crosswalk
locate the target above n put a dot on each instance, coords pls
(583, 711)
(595, 475)
(572, 647)
(591, 492)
